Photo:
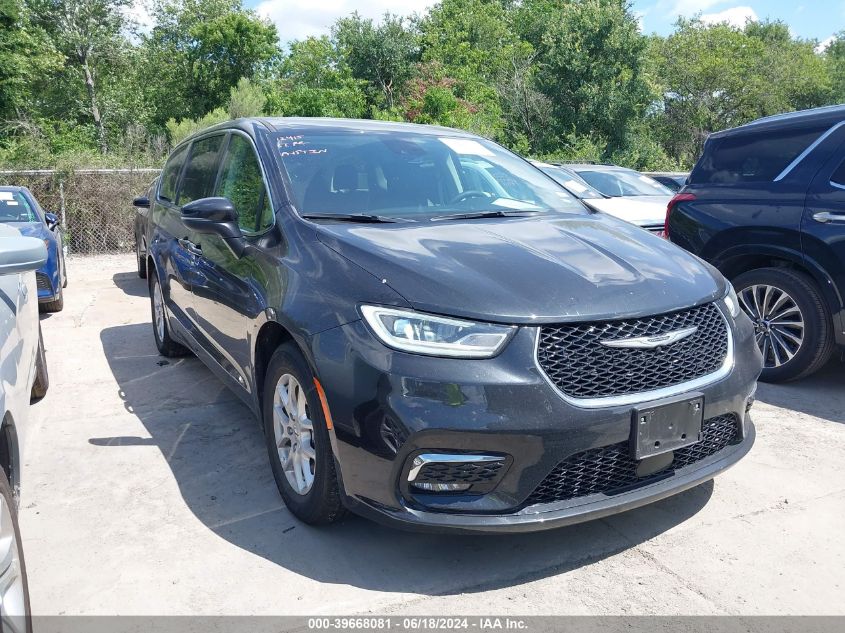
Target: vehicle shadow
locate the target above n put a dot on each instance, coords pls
(131, 284)
(215, 449)
(820, 395)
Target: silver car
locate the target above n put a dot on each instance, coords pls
(624, 193)
(23, 378)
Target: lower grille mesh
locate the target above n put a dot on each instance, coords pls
(611, 468)
(42, 281)
(466, 473)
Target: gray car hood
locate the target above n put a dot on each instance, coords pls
(528, 270)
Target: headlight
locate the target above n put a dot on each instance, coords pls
(436, 336)
(731, 301)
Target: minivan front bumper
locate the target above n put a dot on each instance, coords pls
(388, 407)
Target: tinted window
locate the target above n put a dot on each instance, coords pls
(752, 158)
(411, 175)
(14, 207)
(201, 171)
(838, 177)
(242, 183)
(170, 175)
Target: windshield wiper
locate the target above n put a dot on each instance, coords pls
(350, 217)
(484, 214)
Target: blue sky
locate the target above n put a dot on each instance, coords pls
(817, 19)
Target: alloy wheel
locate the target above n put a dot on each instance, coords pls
(778, 322)
(294, 434)
(12, 597)
(158, 310)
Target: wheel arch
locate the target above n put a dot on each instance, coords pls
(737, 261)
(270, 336)
(10, 452)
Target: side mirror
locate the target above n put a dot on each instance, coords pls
(215, 216)
(21, 254)
(52, 220)
(141, 202)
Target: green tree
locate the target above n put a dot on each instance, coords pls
(87, 32)
(315, 80)
(719, 76)
(591, 63)
(200, 49)
(384, 55)
(25, 54)
(834, 57)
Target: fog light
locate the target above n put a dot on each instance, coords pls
(461, 472)
(435, 487)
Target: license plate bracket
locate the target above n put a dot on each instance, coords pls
(666, 426)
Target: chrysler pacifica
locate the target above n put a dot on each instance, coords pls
(435, 334)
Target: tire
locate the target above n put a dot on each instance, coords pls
(42, 378)
(784, 359)
(161, 329)
(16, 610)
(142, 260)
(320, 503)
(56, 305)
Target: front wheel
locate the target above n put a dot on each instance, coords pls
(791, 321)
(298, 440)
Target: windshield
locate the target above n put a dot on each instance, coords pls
(573, 184)
(411, 176)
(14, 207)
(622, 182)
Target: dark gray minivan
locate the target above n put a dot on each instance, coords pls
(435, 334)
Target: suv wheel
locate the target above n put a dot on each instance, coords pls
(298, 440)
(161, 327)
(791, 322)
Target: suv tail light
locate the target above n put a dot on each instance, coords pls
(679, 197)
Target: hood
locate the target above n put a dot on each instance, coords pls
(528, 270)
(30, 229)
(639, 210)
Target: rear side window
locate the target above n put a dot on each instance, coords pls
(838, 177)
(242, 183)
(201, 172)
(170, 175)
(752, 157)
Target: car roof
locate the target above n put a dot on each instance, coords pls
(306, 124)
(312, 124)
(828, 115)
(594, 166)
(12, 188)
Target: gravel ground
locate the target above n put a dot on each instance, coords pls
(147, 490)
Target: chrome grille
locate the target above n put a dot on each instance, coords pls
(574, 359)
(611, 468)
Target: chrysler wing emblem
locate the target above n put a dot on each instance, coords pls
(652, 342)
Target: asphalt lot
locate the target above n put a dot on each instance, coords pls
(147, 490)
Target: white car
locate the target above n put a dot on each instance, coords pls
(23, 378)
(623, 193)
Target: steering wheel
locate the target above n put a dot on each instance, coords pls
(468, 195)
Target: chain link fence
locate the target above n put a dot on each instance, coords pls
(94, 205)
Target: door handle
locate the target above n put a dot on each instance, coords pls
(188, 245)
(828, 216)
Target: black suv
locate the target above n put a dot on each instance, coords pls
(766, 205)
(435, 333)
